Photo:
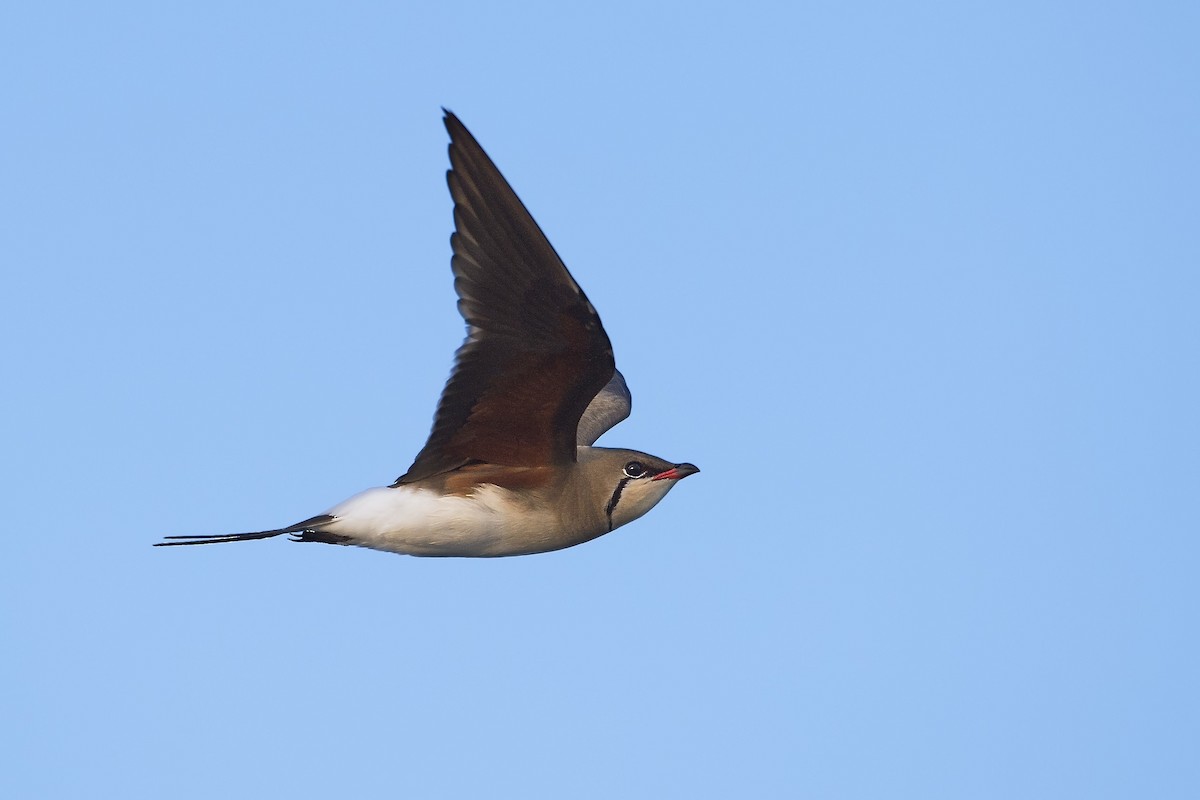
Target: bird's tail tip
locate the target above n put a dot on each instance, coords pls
(306, 531)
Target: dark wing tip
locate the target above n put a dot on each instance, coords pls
(453, 123)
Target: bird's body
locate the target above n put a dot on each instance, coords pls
(488, 521)
(509, 468)
(483, 512)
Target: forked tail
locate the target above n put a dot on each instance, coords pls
(306, 531)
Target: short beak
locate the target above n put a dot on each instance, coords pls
(676, 472)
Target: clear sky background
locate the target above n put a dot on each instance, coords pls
(916, 285)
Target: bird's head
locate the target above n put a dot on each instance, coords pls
(625, 484)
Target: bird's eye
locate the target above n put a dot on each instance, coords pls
(634, 469)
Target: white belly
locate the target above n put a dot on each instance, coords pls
(421, 522)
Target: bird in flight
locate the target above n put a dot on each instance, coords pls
(509, 468)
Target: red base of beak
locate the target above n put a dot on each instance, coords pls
(676, 472)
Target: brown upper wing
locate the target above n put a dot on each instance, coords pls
(535, 354)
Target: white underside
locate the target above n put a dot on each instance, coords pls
(421, 522)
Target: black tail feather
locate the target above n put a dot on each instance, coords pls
(304, 529)
(324, 537)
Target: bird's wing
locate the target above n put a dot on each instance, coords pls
(535, 354)
(612, 405)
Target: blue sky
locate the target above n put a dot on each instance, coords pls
(916, 287)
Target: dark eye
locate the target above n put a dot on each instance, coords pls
(634, 469)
